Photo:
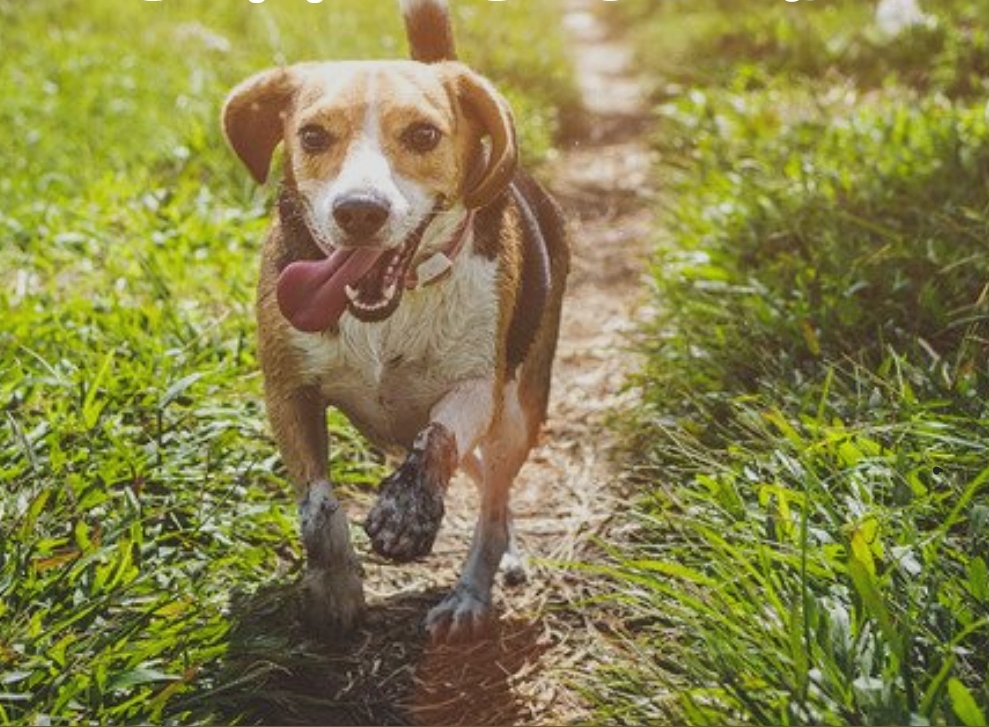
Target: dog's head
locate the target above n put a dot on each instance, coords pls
(374, 147)
(376, 151)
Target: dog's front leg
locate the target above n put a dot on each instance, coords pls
(464, 613)
(406, 518)
(333, 598)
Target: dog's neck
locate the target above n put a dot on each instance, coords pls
(450, 232)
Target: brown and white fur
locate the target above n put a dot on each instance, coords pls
(458, 374)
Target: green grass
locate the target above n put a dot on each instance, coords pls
(138, 487)
(812, 444)
(709, 42)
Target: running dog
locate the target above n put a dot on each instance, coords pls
(412, 277)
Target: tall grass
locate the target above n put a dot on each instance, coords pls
(812, 442)
(138, 487)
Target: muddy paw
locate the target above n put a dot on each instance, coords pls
(404, 522)
(332, 601)
(464, 615)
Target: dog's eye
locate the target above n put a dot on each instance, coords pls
(421, 137)
(315, 138)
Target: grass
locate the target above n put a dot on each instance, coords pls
(141, 501)
(709, 42)
(811, 447)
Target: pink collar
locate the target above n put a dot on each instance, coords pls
(436, 266)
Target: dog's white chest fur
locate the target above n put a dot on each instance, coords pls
(387, 376)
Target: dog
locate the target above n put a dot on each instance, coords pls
(412, 277)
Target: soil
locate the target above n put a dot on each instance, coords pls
(547, 638)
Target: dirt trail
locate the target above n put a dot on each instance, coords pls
(532, 668)
(566, 494)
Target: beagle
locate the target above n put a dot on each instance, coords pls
(412, 277)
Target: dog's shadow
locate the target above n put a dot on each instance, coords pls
(385, 673)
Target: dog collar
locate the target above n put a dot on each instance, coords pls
(436, 266)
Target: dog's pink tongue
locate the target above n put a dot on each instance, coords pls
(311, 292)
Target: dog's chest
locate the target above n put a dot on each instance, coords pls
(387, 376)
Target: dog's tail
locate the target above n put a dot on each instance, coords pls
(429, 30)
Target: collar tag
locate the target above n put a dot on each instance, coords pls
(432, 268)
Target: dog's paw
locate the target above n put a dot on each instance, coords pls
(464, 615)
(513, 572)
(332, 601)
(404, 521)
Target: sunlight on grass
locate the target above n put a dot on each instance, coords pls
(140, 489)
(812, 447)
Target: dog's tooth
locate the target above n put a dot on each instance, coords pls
(352, 293)
(390, 291)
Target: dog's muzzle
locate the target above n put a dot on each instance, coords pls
(367, 282)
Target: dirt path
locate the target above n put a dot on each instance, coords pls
(532, 669)
(566, 494)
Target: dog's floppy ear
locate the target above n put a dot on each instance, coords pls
(252, 117)
(481, 101)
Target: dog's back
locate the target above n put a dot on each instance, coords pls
(536, 346)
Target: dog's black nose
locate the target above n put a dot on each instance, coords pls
(361, 215)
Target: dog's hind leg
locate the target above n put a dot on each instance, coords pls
(513, 569)
(463, 614)
(512, 562)
(333, 598)
(404, 521)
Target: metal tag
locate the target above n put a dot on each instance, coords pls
(433, 267)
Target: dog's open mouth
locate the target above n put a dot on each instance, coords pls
(368, 283)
